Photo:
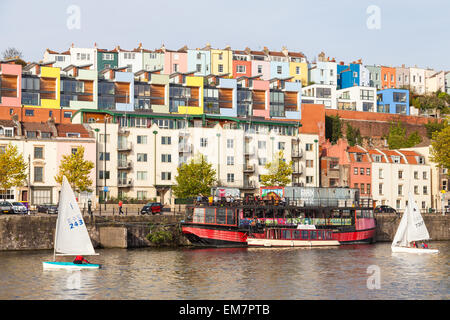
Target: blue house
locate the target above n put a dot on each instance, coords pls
(348, 75)
(394, 101)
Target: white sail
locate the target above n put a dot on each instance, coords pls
(416, 230)
(71, 237)
(400, 235)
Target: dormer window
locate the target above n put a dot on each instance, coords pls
(395, 159)
(72, 134)
(376, 158)
(46, 135)
(358, 157)
(421, 160)
(31, 134)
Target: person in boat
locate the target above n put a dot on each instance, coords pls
(414, 244)
(424, 245)
(80, 260)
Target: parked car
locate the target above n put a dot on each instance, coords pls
(6, 207)
(385, 209)
(47, 208)
(19, 207)
(152, 207)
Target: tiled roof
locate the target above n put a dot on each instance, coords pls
(276, 53)
(296, 54)
(64, 128)
(36, 126)
(7, 123)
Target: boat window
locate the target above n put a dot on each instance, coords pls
(199, 215)
(210, 216)
(345, 213)
(230, 216)
(221, 216)
(286, 234)
(313, 235)
(305, 235)
(319, 235)
(296, 234)
(259, 213)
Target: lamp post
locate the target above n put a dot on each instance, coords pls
(317, 163)
(104, 166)
(218, 158)
(154, 164)
(96, 161)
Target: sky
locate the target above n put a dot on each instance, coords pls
(382, 32)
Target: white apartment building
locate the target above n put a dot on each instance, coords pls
(357, 98)
(320, 94)
(417, 80)
(395, 173)
(142, 161)
(131, 59)
(434, 81)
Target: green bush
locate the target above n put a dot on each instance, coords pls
(159, 236)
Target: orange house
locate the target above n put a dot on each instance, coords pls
(388, 78)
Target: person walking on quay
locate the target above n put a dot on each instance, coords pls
(120, 207)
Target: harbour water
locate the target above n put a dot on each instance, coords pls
(346, 272)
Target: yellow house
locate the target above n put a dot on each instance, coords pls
(299, 70)
(222, 61)
(195, 86)
(49, 86)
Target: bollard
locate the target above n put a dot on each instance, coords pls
(126, 211)
(113, 210)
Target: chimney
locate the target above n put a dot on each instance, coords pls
(140, 45)
(95, 45)
(285, 51)
(227, 47)
(72, 44)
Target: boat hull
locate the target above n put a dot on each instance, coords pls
(205, 236)
(69, 266)
(260, 242)
(413, 250)
(355, 237)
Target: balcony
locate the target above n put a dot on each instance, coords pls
(127, 146)
(297, 169)
(125, 183)
(249, 168)
(124, 165)
(297, 153)
(185, 148)
(248, 151)
(248, 185)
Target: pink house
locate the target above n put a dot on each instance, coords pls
(175, 61)
(261, 98)
(11, 85)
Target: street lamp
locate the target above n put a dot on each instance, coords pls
(96, 160)
(218, 157)
(154, 163)
(105, 188)
(317, 162)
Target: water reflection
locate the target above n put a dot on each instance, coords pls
(232, 273)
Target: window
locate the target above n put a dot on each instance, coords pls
(356, 186)
(260, 69)
(230, 177)
(279, 69)
(416, 189)
(129, 55)
(38, 174)
(220, 67)
(166, 158)
(361, 171)
(423, 205)
(166, 175)
(416, 175)
(102, 138)
(8, 195)
(141, 175)
(262, 161)
(395, 159)
(166, 140)
(355, 171)
(309, 163)
(362, 188)
(309, 179)
(141, 157)
(108, 56)
(368, 188)
(141, 139)
(400, 190)
(230, 143)
(297, 70)
(397, 204)
(230, 160)
(41, 196)
(142, 195)
(31, 134)
(281, 145)
(380, 173)
(368, 171)
(380, 188)
(60, 58)
(175, 67)
(39, 152)
(199, 68)
(400, 174)
(240, 69)
(203, 142)
(103, 174)
(29, 113)
(309, 147)
(425, 190)
(261, 145)
(102, 156)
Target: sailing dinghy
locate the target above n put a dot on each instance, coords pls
(71, 235)
(411, 228)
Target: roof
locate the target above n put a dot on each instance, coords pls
(296, 54)
(7, 123)
(390, 153)
(36, 126)
(276, 53)
(64, 128)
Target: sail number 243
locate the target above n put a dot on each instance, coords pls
(75, 222)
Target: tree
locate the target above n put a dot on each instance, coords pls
(280, 172)
(440, 147)
(434, 126)
(194, 178)
(13, 168)
(12, 53)
(398, 139)
(333, 128)
(76, 170)
(353, 135)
